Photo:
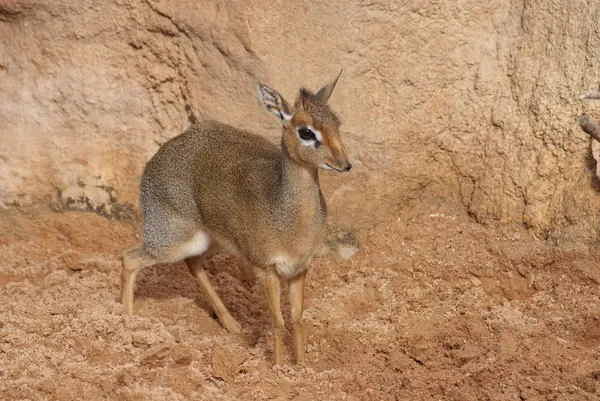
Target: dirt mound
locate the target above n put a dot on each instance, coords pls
(432, 306)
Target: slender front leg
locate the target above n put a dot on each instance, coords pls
(296, 288)
(273, 290)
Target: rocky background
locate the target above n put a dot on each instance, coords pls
(440, 101)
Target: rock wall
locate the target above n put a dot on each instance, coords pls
(464, 101)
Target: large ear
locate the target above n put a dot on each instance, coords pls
(326, 91)
(304, 98)
(273, 102)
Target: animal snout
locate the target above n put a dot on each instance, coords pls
(347, 167)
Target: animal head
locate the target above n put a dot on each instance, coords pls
(311, 131)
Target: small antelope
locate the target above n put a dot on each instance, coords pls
(217, 187)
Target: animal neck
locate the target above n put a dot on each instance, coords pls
(300, 187)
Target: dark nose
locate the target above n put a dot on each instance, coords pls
(348, 167)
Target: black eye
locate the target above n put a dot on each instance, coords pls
(306, 134)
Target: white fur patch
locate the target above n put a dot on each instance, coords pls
(197, 245)
(317, 133)
(284, 266)
(286, 116)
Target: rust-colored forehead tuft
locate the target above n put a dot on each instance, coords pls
(318, 111)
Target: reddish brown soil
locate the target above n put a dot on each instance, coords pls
(433, 306)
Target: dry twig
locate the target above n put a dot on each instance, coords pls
(591, 95)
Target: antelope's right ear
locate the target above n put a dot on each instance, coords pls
(273, 102)
(324, 94)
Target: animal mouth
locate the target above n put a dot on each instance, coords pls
(333, 168)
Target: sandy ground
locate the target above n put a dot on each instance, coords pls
(432, 307)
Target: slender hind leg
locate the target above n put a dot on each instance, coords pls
(296, 290)
(133, 261)
(273, 291)
(196, 266)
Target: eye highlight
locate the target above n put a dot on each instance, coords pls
(306, 134)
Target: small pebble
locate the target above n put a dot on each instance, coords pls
(346, 252)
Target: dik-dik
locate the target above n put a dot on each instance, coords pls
(217, 187)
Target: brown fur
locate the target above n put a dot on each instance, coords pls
(217, 187)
